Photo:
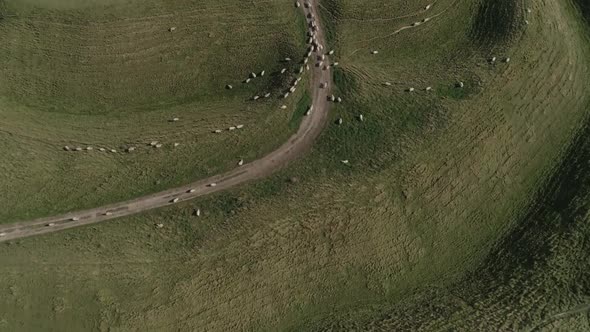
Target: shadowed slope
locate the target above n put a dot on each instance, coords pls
(496, 21)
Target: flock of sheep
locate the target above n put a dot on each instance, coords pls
(321, 62)
(128, 149)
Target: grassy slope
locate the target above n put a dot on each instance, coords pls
(535, 279)
(535, 274)
(433, 183)
(112, 76)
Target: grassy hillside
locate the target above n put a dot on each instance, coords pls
(535, 279)
(111, 75)
(468, 203)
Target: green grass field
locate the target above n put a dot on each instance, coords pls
(460, 210)
(112, 76)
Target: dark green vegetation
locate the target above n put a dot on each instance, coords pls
(459, 211)
(300, 109)
(496, 22)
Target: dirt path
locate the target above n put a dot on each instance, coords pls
(310, 128)
(414, 14)
(566, 314)
(426, 20)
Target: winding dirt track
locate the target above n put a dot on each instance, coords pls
(310, 128)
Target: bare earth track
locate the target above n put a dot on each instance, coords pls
(310, 128)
